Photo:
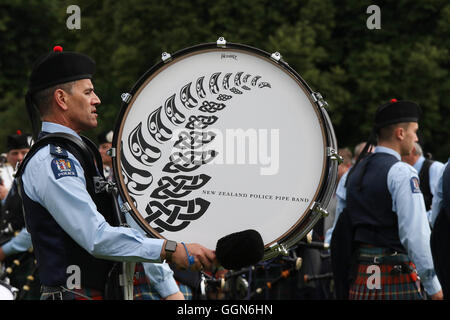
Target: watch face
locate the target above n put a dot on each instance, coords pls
(171, 246)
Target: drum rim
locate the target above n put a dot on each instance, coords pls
(327, 182)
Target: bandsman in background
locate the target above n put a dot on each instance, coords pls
(429, 173)
(440, 235)
(380, 246)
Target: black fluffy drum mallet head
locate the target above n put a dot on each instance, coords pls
(240, 249)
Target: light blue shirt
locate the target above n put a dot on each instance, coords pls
(69, 203)
(340, 205)
(434, 171)
(436, 205)
(159, 274)
(413, 227)
(19, 243)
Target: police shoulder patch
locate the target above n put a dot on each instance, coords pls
(58, 151)
(415, 186)
(63, 167)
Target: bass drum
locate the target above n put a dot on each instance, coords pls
(220, 138)
(7, 292)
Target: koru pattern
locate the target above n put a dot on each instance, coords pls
(197, 106)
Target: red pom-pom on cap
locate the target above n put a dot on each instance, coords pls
(393, 100)
(19, 132)
(57, 49)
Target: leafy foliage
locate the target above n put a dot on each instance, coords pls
(326, 42)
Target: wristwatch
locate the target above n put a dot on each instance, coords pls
(170, 248)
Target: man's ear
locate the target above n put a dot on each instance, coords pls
(60, 97)
(399, 133)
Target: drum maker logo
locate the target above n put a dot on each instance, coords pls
(190, 114)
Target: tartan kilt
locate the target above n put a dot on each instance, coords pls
(144, 290)
(91, 293)
(392, 286)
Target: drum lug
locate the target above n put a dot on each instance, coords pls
(316, 207)
(276, 56)
(317, 97)
(221, 42)
(126, 97)
(166, 57)
(125, 207)
(279, 249)
(332, 153)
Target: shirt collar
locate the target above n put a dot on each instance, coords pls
(52, 127)
(387, 150)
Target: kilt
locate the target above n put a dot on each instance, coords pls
(392, 283)
(144, 290)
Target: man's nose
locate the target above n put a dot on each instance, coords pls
(96, 100)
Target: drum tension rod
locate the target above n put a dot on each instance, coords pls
(280, 249)
(317, 97)
(100, 185)
(334, 155)
(316, 207)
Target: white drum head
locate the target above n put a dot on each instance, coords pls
(218, 141)
(5, 292)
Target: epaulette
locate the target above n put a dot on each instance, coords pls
(57, 151)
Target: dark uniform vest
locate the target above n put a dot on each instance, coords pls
(11, 217)
(54, 249)
(424, 176)
(369, 203)
(446, 193)
(440, 237)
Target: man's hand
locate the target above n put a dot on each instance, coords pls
(437, 296)
(204, 258)
(2, 254)
(176, 296)
(3, 192)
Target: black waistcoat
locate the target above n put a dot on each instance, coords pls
(54, 249)
(369, 202)
(424, 176)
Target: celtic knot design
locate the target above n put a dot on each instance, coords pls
(179, 186)
(177, 213)
(211, 106)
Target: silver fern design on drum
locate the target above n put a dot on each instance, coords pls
(136, 181)
(142, 151)
(156, 127)
(169, 207)
(172, 113)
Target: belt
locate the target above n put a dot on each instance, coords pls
(59, 293)
(394, 258)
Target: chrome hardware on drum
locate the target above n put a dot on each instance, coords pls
(7, 292)
(223, 137)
